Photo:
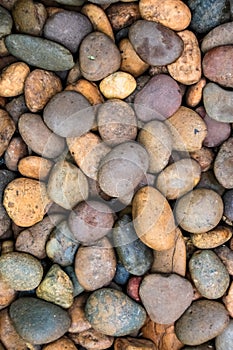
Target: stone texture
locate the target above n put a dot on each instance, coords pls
(222, 165)
(213, 238)
(217, 132)
(35, 167)
(218, 36)
(7, 129)
(7, 294)
(131, 343)
(92, 339)
(6, 22)
(122, 15)
(13, 79)
(16, 150)
(224, 341)
(228, 205)
(194, 93)
(61, 344)
(118, 85)
(76, 312)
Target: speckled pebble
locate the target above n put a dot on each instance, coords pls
(220, 35)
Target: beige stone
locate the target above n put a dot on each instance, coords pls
(213, 238)
(79, 323)
(194, 93)
(228, 300)
(35, 167)
(13, 78)
(118, 85)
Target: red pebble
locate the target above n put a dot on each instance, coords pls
(133, 288)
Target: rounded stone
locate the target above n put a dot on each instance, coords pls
(223, 169)
(202, 321)
(35, 167)
(78, 24)
(7, 129)
(5, 22)
(209, 274)
(199, 211)
(111, 312)
(224, 341)
(38, 321)
(213, 238)
(161, 48)
(228, 204)
(61, 344)
(165, 297)
(220, 35)
(7, 294)
(13, 79)
(118, 85)
(20, 270)
(69, 114)
(217, 132)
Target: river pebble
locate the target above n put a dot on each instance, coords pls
(220, 35)
(6, 22)
(228, 205)
(13, 79)
(7, 129)
(118, 85)
(222, 170)
(213, 238)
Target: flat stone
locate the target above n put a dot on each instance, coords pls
(224, 341)
(5, 22)
(39, 52)
(220, 35)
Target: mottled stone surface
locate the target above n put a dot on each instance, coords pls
(220, 35)
(223, 169)
(5, 22)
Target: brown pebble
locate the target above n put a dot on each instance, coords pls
(76, 312)
(130, 343)
(194, 93)
(7, 129)
(213, 238)
(35, 167)
(223, 168)
(63, 343)
(88, 90)
(205, 158)
(122, 15)
(226, 255)
(16, 150)
(92, 339)
(7, 294)
(13, 78)
(118, 85)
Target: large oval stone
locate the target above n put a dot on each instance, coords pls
(38, 321)
(39, 52)
(220, 35)
(113, 313)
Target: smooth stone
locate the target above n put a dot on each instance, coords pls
(79, 322)
(135, 256)
(205, 346)
(20, 270)
(220, 35)
(39, 52)
(7, 129)
(122, 275)
(38, 321)
(16, 150)
(79, 26)
(217, 132)
(56, 287)
(213, 238)
(118, 85)
(77, 288)
(6, 22)
(218, 103)
(69, 114)
(7, 295)
(153, 219)
(228, 204)
(202, 21)
(209, 181)
(159, 99)
(113, 313)
(165, 297)
(224, 341)
(226, 256)
(202, 321)
(61, 344)
(223, 169)
(209, 274)
(194, 93)
(6, 177)
(35, 167)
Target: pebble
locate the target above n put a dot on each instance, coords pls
(202, 321)
(226, 256)
(218, 103)
(5, 222)
(39, 137)
(159, 99)
(165, 298)
(56, 287)
(87, 89)
(153, 219)
(222, 165)
(13, 78)
(134, 255)
(201, 21)
(76, 312)
(90, 220)
(67, 185)
(25, 201)
(6, 176)
(98, 56)
(29, 17)
(208, 180)
(79, 26)
(178, 178)
(217, 132)
(131, 343)
(20, 270)
(133, 288)
(38, 321)
(228, 205)
(194, 93)
(122, 275)
(16, 150)
(205, 158)
(122, 15)
(209, 274)
(199, 211)
(213, 238)
(171, 13)
(61, 344)
(91, 262)
(6, 22)
(155, 50)
(108, 312)
(205, 346)
(228, 300)
(50, 55)
(7, 294)
(69, 114)
(187, 68)
(92, 339)
(118, 85)
(70, 2)
(40, 86)
(16, 107)
(7, 129)
(35, 167)
(157, 140)
(220, 35)
(224, 341)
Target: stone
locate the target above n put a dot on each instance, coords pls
(159, 99)
(165, 298)
(7, 129)
(118, 85)
(6, 22)
(79, 27)
(133, 285)
(217, 132)
(204, 157)
(155, 49)
(92, 339)
(69, 114)
(153, 219)
(38, 321)
(39, 52)
(202, 321)
(16, 150)
(131, 343)
(88, 89)
(56, 287)
(13, 79)
(123, 15)
(122, 275)
(16, 107)
(112, 313)
(5, 221)
(222, 165)
(35, 167)
(25, 201)
(224, 341)
(228, 300)
(218, 36)
(20, 270)
(213, 238)
(218, 103)
(77, 288)
(228, 205)
(7, 294)
(76, 312)
(70, 2)
(208, 274)
(226, 256)
(61, 344)
(187, 68)
(194, 93)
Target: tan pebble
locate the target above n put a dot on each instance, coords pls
(88, 90)
(194, 93)
(130, 343)
(131, 62)
(205, 157)
(213, 238)
(79, 323)
(122, 15)
(40, 87)
(187, 68)
(92, 339)
(7, 294)
(188, 130)
(35, 167)
(16, 150)
(98, 19)
(118, 85)
(173, 14)
(153, 219)
(52, 10)
(7, 247)
(63, 343)
(25, 201)
(228, 300)
(13, 78)
(88, 150)
(7, 129)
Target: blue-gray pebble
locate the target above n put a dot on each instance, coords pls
(5, 22)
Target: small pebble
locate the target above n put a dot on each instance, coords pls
(122, 275)
(122, 15)
(118, 85)
(61, 344)
(213, 238)
(133, 288)
(35, 167)
(224, 341)
(7, 294)
(226, 256)
(7, 129)
(76, 312)
(92, 339)
(131, 343)
(16, 150)
(217, 132)
(228, 300)
(194, 93)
